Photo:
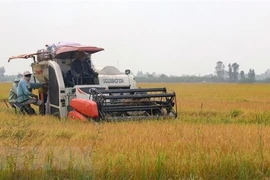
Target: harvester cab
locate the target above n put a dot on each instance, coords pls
(113, 95)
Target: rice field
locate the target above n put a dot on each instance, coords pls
(222, 132)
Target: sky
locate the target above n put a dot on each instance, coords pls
(162, 36)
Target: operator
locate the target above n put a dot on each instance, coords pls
(12, 99)
(25, 97)
(80, 68)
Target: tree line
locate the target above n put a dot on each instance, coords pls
(221, 74)
(5, 78)
(233, 74)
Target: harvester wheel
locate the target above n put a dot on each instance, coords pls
(56, 114)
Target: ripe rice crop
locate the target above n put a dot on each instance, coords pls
(222, 132)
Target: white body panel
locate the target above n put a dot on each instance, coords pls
(83, 91)
(121, 80)
(59, 96)
(62, 97)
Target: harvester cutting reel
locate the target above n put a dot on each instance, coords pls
(124, 104)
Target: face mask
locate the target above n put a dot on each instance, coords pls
(27, 78)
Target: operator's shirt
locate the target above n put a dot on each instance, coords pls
(79, 67)
(23, 92)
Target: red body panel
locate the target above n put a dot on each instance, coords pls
(86, 107)
(74, 115)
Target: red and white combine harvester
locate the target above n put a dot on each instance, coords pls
(114, 95)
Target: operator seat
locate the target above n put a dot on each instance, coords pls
(70, 80)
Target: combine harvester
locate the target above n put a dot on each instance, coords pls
(113, 96)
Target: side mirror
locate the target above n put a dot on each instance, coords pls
(127, 71)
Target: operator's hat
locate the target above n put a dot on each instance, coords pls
(18, 77)
(27, 73)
